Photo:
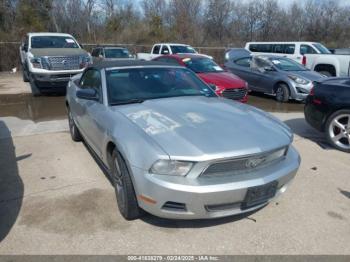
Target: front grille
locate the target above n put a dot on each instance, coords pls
(235, 93)
(64, 62)
(222, 207)
(243, 165)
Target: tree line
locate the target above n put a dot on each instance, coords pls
(196, 22)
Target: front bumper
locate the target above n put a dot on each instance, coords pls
(203, 198)
(300, 92)
(53, 79)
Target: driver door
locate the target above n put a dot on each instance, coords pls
(261, 79)
(90, 112)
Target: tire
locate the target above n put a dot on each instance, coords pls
(326, 73)
(35, 90)
(282, 93)
(124, 189)
(73, 129)
(25, 75)
(338, 130)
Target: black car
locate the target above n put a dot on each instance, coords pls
(327, 109)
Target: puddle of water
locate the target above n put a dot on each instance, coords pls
(37, 109)
(268, 103)
(44, 108)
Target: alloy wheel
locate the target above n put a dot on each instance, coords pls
(118, 181)
(339, 131)
(279, 93)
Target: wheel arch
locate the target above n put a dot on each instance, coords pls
(326, 67)
(110, 147)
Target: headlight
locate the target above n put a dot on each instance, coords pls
(85, 61)
(36, 62)
(171, 167)
(299, 80)
(227, 56)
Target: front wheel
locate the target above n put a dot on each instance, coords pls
(338, 130)
(126, 198)
(282, 93)
(73, 130)
(25, 75)
(35, 90)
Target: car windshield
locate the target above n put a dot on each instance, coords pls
(202, 65)
(286, 64)
(139, 84)
(116, 53)
(182, 49)
(321, 48)
(53, 42)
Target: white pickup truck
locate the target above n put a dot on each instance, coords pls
(167, 49)
(50, 59)
(328, 64)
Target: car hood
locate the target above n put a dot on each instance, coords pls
(201, 128)
(222, 79)
(57, 51)
(309, 75)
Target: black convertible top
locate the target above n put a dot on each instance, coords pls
(126, 63)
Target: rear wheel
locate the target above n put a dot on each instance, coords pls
(74, 131)
(338, 130)
(124, 189)
(282, 93)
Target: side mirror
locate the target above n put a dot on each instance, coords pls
(165, 52)
(269, 69)
(88, 94)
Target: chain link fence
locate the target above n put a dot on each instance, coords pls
(10, 56)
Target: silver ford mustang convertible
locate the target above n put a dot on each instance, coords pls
(175, 149)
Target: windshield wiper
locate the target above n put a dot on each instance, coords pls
(129, 101)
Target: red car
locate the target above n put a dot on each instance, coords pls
(224, 83)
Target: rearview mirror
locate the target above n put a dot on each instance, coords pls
(88, 94)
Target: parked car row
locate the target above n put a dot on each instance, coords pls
(165, 132)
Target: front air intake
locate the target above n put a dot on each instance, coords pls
(174, 206)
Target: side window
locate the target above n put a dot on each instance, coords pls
(306, 49)
(279, 49)
(156, 49)
(165, 50)
(95, 52)
(91, 79)
(258, 63)
(289, 49)
(253, 48)
(262, 48)
(25, 44)
(245, 62)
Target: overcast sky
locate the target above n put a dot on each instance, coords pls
(288, 2)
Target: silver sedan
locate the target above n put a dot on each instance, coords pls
(175, 149)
